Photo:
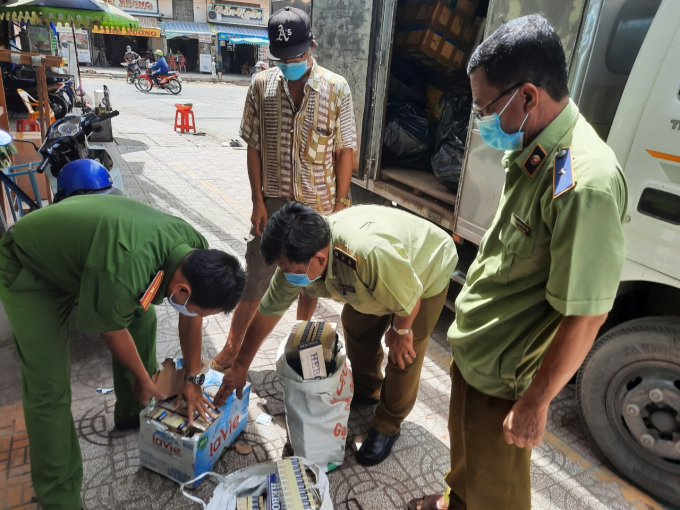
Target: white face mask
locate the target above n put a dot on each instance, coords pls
(181, 308)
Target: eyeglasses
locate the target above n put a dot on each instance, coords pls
(480, 113)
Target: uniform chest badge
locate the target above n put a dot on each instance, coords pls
(523, 226)
(152, 290)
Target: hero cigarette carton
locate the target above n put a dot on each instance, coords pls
(182, 453)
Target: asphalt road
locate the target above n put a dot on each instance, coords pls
(217, 107)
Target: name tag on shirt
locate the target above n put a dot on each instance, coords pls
(521, 225)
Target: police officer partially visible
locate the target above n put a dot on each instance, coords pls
(116, 258)
(546, 274)
(390, 268)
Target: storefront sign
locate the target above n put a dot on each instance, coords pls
(204, 38)
(138, 32)
(236, 12)
(136, 6)
(82, 43)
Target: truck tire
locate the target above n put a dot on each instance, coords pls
(628, 392)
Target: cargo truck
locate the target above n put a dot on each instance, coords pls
(624, 74)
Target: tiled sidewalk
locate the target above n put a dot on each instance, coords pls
(206, 184)
(16, 491)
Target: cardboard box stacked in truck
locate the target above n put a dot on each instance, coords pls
(169, 446)
(434, 34)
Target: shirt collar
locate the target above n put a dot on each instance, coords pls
(531, 159)
(172, 262)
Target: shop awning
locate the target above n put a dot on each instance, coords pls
(236, 33)
(183, 28)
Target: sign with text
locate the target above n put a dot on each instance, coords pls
(82, 42)
(139, 32)
(136, 6)
(227, 12)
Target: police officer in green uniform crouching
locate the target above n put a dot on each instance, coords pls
(116, 258)
(392, 271)
(546, 274)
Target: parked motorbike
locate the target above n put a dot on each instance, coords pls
(11, 82)
(171, 82)
(67, 141)
(63, 92)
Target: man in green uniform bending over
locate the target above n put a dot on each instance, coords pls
(546, 274)
(392, 271)
(116, 258)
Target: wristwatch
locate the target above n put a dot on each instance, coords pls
(196, 379)
(344, 201)
(401, 332)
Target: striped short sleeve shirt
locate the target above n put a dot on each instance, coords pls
(298, 147)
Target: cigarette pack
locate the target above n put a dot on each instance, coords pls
(275, 500)
(250, 503)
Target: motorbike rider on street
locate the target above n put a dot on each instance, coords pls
(129, 57)
(160, 68)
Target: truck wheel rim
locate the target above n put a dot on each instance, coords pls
(643, 406)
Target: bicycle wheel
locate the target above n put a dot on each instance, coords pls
(143, 84)
(174, 87)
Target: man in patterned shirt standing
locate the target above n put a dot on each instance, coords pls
(298, 123)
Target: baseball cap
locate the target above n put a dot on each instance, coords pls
(290, 33)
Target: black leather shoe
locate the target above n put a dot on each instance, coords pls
(131, 424)
(360, 400)
(376, 448)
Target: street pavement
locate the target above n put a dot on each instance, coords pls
(217, 106)
(206, 183)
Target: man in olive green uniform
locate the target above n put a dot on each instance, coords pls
(116, 258)
(390, 268)
(546, 274)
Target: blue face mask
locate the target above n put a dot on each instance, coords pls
(494, 136)
(300, 280)
(181, 308)
(293, 71)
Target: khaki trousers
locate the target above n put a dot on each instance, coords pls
(486, 473)
(398, 389)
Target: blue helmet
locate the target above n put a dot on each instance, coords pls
(83, 176)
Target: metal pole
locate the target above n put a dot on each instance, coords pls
(75, 45)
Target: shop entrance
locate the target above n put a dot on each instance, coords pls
(244, 57)
(186, 47)
(115, 47)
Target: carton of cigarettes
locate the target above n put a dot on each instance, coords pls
(169, 446)
(311, 348)
(295, 485)
(275, 500)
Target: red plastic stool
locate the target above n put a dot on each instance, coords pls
(184, 118)
(27, 125)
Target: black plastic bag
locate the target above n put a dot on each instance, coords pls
(408, 138)
(451, 135)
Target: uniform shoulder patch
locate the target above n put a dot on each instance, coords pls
(534, 160)
(152, 290)
(563, 172)
(345, 257)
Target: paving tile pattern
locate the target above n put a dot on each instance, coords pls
(16, 491)
(197, 179)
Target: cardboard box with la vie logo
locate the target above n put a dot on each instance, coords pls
(177, 456)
